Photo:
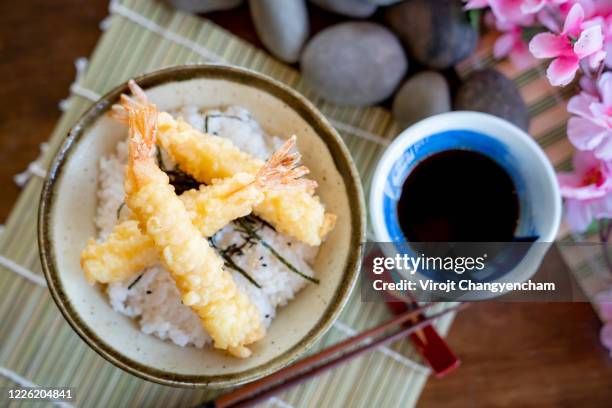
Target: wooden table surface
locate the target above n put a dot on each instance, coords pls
(514, 354)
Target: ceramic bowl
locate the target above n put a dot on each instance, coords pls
(68, 205)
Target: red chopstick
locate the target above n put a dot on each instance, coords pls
(318, 363)
(430, 345)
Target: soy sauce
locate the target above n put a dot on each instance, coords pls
(458, 196)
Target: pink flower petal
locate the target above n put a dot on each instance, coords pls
(476, 4)
(603, 300)
(599, 114)
(520, 56)
(573, 21)
(603, 150)
(604, 86)
(569, 180)
(588, 6)
(548, 45)
(602, 207)
(581, 193)
(605, 309)
(548, 20)
(503, 45)
(532, 6)
(589, 86)
(581, 105)
(589, 42)
(562, 70)
(584, 134)
(577, 215)
(595, 60)
(583, 162)
(608, 50)
(602, 7)
(508, 10)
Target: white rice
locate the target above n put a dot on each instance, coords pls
(152, 298)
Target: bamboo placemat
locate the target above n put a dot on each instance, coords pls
(38, 347)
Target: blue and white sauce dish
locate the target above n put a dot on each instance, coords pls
(510, 147)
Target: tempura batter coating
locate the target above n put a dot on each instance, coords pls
(227, 314)
(125, 252)
(297, 214)
(205, 157)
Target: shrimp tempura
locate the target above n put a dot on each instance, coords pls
(296, 212)
(128, 251)
(227, 314)
(125, 252)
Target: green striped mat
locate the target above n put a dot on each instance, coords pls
(38, 347)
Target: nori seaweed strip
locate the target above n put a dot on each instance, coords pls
(231, 264)
(292, 268)
(120, 208)
(135, 281)
(220, 115)
(217, 115)
(182, 181)
(253, 219)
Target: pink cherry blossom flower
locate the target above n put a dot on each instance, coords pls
(605, 336)
(587, 190)
(511, 44)
(504, 10)
(569, 48)
(591, 127)
(591, 178)
(579, 214)
(604, 20)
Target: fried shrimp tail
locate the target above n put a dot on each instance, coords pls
(282, 170)
(208, 157)
(227, 314)
(139, 99)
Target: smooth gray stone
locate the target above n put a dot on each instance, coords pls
(423, 95)
(351, 8)
(436, 33)
(204, 6)
(282, 26)
(354, 63)
(491, 92)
